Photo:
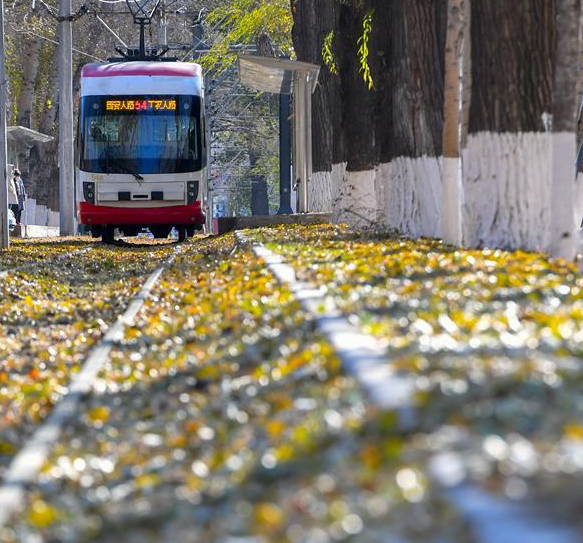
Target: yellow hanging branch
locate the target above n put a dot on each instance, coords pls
(363, 50)
(328, 54)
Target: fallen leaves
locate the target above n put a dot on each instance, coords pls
(52, 310)
(493, 338)
(224, 416)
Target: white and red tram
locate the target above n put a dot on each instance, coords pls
(141, 148)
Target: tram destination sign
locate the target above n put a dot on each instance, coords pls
(151, 104)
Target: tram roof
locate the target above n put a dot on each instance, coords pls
(137, 68)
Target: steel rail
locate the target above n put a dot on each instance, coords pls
(361, 354)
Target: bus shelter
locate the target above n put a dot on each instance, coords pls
(298, 79)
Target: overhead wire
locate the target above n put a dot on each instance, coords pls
(54, 14)
(50, 9)
(30, 32)
(110, 30)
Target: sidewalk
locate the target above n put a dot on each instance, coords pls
(34, 231)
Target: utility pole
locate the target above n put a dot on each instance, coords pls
(162, 27)
(66, 168)
(198, 43)
(4, 238)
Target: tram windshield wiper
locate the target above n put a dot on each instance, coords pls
(135, 174)
(122, 167)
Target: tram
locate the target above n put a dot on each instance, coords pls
(141, 151)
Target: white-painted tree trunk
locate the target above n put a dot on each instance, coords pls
(409, 195)
(579, 199)
(354, 198)
(563, 202)
(507, 190)
(320, 192)
(30, 213)
(404, 194)
(567, 80)
(452, 197)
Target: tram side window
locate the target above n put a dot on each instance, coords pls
(203, 139)
(192, 140)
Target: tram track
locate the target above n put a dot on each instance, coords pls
(65, 255)
(49, 320)
(26, 465)
(187, 371)
(493, 519)
(44, 262)
(222, 399)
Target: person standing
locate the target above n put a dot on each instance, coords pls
(20, 193)
(12, 197)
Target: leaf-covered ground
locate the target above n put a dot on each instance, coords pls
(53, 307)
(24, 252)
(224, 417)
(493, 340)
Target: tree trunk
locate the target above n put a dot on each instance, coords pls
(506, 160)
(311, 27)
(410, 64)
(512, 55)
(42, 181)
(452, 189)
(566, 211)
(355, 199)
(411, 34)
(259, 201)
(48, 116)
(29, 71)
(376, 142)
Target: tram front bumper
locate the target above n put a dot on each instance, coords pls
(181, 215)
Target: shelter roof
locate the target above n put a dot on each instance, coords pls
(268, 74)
(26, 136)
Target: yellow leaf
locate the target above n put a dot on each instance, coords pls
(268, 516)
(148, 480)
(275, 428)
(573, 431)
(99, 414)
(178, 440)
(7, 448)
(41, 514)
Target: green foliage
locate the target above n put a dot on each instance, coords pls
(13, 70)
(363, 50)
(241, 22)
(43, 89)
(328, 54)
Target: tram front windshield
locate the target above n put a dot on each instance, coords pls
(140, 134)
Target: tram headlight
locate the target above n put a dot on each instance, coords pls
(191, 191)
(89, 192)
